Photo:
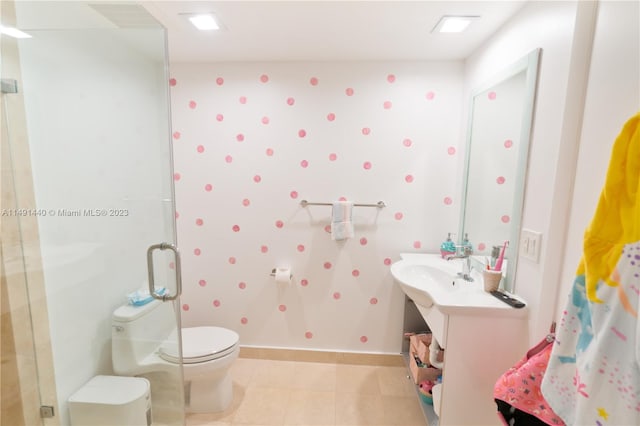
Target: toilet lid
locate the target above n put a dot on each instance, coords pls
(200, 344)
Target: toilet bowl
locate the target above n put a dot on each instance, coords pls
(145, 341)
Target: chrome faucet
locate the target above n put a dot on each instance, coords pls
(465, 255)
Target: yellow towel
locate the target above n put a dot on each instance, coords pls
(617, 218)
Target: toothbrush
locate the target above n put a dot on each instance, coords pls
(498, 266)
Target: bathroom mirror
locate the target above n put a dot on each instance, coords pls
(498, 136)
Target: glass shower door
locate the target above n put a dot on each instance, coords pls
(89, 151)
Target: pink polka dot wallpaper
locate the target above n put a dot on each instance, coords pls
(252, 140)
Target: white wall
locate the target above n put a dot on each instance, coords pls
(612, 97)
(353, 305)
(549, 26)
(99, 139)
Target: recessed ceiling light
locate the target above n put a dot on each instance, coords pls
(204, 22)
(453, 24)
(13, 32)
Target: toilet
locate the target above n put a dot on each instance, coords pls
(144, 340)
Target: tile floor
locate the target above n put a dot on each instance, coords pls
(286, 393)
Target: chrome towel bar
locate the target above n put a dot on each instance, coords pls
(379, 204)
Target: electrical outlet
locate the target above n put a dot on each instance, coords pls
(530, 244)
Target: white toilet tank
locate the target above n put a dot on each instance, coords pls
(137, 331)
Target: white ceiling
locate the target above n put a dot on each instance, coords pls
(327, 30)
(293, 30)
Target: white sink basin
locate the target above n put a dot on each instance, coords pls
(429, 280)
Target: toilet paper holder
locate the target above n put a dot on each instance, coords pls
(273, 273)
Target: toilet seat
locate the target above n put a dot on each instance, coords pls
(200, 344)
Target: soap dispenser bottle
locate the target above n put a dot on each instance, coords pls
(466, 244)
(447, 248)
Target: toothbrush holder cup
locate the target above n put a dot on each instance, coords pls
(491, 280)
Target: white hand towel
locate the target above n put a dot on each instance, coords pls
(341, 224)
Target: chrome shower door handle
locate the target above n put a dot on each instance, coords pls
(152, 286)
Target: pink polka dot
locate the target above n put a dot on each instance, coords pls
(508, 143)
(290, 101)
(219, 117)
(300, 248)
(448, 201)
(185, 307)
(264, 78)
(327, 229)
(355, 273)
(200, 149)
(193, 104)
(430, 96)
(349, 91)
(264, 249)
(500, 180)
(308, 335)
(407, 142)
(177, 215)
(408, 178)
(342, 199)
(451, 150)
(417, 244)
(244, 320)
(246, 202)
(387, 105)
(333, 156)
(232, 260)
(491, 96)
(366, 165)
(257, 179)
(282, 308)
(302, 133)
(219, 81)
(304, 164)
(327, 265)
(364, 339)
(505, 219)
(313, 81)
(172, 82)
(391, 78)
(293, 194)
(176, 176)
(208, 187)
(172, 265)
(228, 159)
(304, 282)
(336, 295)
(387, 261)
(398, 215)
(199, 222)
(242, 285)
(366, 131)
(279, 224)
(269, 152)
(331, 116)
(363, 241)
(216, 303)
(242, 100)
(202, 283)
(373, 301)
(197, 252)
(482, 246)
(240, 137)
(235, 228)
(265, 120)
(176, 135)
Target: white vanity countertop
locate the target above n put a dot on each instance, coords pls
(463, 297)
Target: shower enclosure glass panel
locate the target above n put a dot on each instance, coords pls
(89, 149)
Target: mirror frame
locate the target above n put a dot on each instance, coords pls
(529, 64)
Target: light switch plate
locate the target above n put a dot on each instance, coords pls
(530, 244)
